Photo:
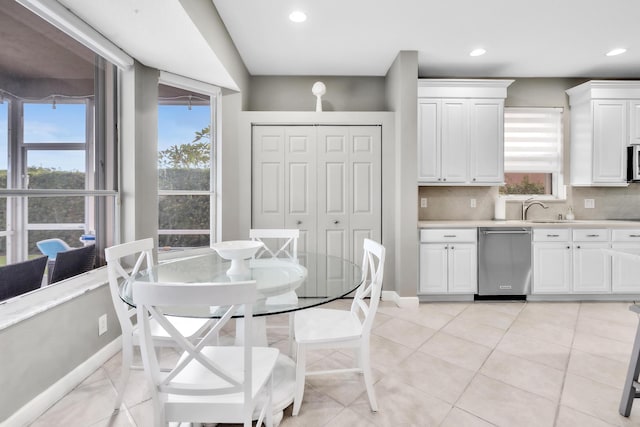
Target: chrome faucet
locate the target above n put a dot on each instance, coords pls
(528, 203)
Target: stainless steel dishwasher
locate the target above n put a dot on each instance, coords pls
(504, 261)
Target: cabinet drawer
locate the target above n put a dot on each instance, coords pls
(551, 235)
(628, 235)
(449, 235)
(591, 235)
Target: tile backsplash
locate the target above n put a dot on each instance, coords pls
(454, 203)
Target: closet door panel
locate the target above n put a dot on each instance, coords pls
(268, 206)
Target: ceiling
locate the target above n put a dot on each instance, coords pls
(541, 38)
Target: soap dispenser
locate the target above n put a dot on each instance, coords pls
(570, 216)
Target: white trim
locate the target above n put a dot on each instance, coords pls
(61, 18)
(186, 83)
(401, 302)
(38, 405)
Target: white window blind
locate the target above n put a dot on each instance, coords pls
(533, 139)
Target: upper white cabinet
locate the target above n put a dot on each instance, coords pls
(461, 131)
(605, 118)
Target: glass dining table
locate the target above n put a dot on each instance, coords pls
(284, 286)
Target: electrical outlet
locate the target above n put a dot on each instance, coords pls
(423, 202)
(472, 203)
(102, 324)
(589, 203)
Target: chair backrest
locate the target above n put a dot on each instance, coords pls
(21, 277)
(116, 272)
(51, 247)
(150, 298)
(73, 262)
(372, 273)
(274, 236)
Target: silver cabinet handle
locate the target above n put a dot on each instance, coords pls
(634, 235)
(444, 179)
(336, 222)
(578, 247)
(299, 222)
(474, 179)
(593, 235)
(553, 235)
(450, 235)
(568, 247)
(452, 248)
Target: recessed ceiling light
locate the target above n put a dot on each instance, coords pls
(616, 51)
(477, 52)
(298, 16)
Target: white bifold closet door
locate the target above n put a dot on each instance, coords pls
(324, 180)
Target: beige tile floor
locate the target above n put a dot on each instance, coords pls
(440, 364)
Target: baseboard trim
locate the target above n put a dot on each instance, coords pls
(400, 301)
(38, 405)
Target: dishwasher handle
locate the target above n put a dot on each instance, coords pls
(506, 232)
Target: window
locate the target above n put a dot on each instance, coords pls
(533, 152)
(52, 102)
(186, 168)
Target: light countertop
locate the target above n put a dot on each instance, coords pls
(597, 223)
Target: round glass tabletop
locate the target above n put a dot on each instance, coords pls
(282, 285)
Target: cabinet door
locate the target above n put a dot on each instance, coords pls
(551, 268)
(463, 276)
(429, 123)
(591, 268)
(634, 125)
(268, 187)
(609, 141)
(433, 268)
(454, 141)
(625, 272)
(486, 141)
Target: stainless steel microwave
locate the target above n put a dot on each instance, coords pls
(633, 163)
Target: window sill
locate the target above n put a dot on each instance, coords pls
(23, 307)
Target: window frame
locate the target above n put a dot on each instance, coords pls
(558, 188)
(215, 102)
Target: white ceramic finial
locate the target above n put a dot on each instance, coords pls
(318, 90)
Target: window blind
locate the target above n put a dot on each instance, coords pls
(532, 139)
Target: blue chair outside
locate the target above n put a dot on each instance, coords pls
(51, 247)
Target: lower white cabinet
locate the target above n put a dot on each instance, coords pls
(571, 261)
(552, 261)
(625, 272)
(448, 261)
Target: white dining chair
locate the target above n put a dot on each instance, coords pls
(209, 384)
(321, 328)
(191, 327)
(280, 244)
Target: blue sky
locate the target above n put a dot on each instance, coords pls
(66, 123)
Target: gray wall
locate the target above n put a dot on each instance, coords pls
(39, 351)
(611, 203)
(293, 93)
(402, 98)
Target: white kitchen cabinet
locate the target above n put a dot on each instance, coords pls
(448, 261)
(552, 261)
(591, 266)
(486, 141)
(625, 272)
(605, 118)
(461, 131)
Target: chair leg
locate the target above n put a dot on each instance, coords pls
(300, 377)
(365, 365)
(291, 346)
(629, 391)
(127, 360)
